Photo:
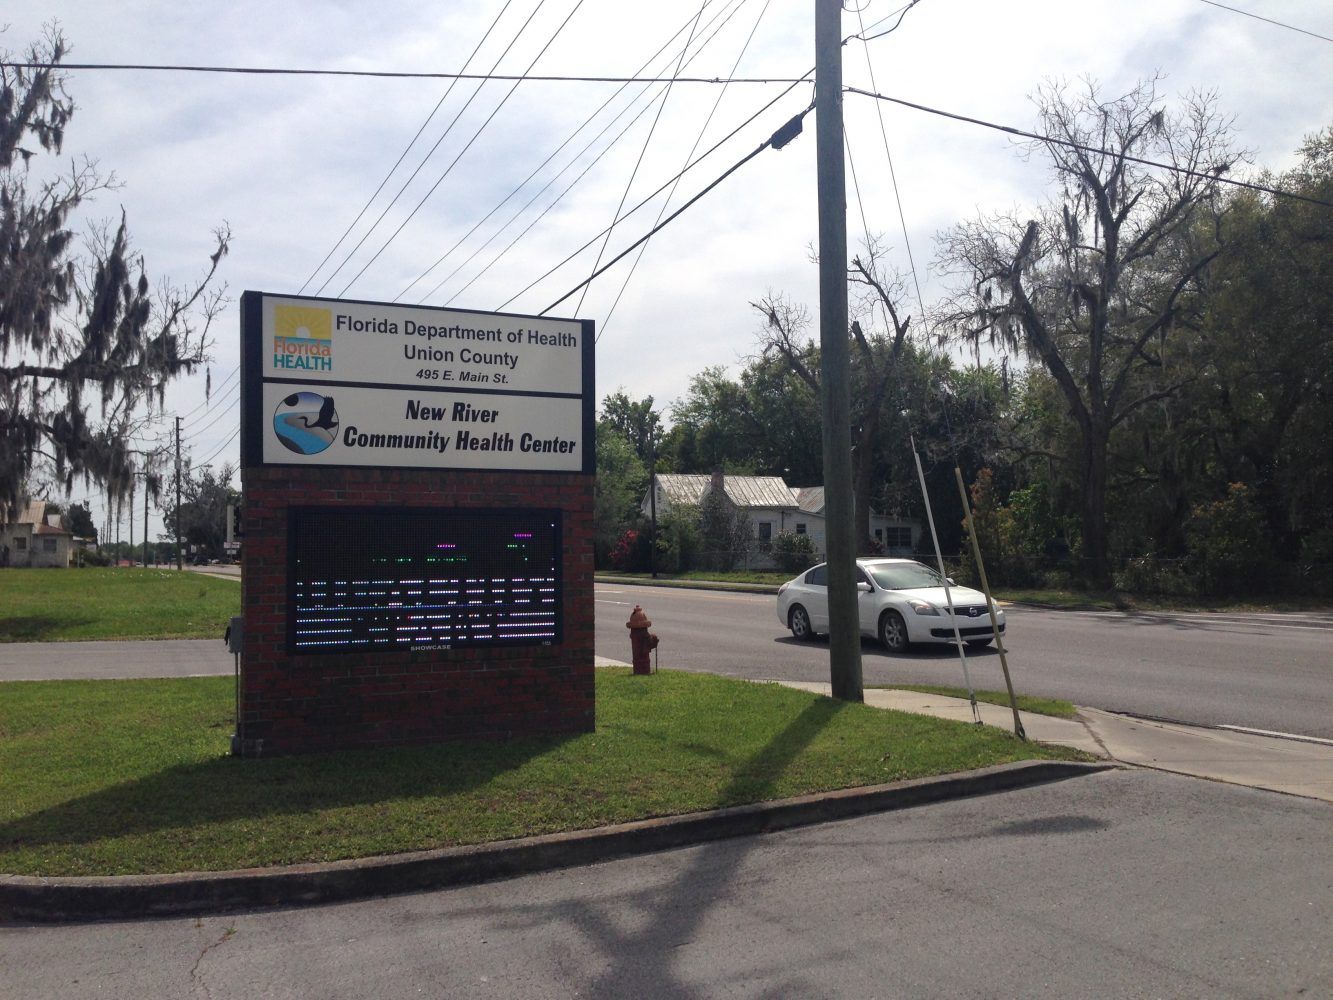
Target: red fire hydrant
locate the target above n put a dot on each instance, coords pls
(641, 641)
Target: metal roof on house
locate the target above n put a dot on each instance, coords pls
(809, 498)
(743, 491)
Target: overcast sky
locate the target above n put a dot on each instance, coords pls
(288, 162)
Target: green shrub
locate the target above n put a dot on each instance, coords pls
(1227, 542)
(793, 552)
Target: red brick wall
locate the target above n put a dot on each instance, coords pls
(292, 704)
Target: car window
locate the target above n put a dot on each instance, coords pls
(861, 576)
(904, 576)
(817, 577)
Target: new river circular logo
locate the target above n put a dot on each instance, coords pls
(306, 422)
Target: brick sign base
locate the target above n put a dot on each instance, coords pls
(313, 702)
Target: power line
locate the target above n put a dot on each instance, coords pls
(424, 160)
(395, 75)
(777, 140)
(221, 448)
(672, 193)
(586, 122)
(893, 174)
(1267, 20)
(218, 416)
(489, 118)
(406, 149)
(666, 94)
(901, 12)
(208, 401)
(711, 150)
(1214, 175)
(582, 174)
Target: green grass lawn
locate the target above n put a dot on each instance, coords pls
(117, 777)
(1026, 702)
(53, 605)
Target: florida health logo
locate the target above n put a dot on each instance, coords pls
(306, 422)
(303, 338)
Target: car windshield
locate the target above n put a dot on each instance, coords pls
(904, 576)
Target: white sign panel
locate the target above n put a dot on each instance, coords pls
(323, 340)
(330, 382)
(318, 424)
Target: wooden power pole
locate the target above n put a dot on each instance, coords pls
(835, 392)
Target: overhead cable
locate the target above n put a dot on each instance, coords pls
(1213, 175)
(429, 153)
(583, 173)
(406, 149)
(893, 174)
(777, 140)
(586, 122)
(392, 75)
(489, 118)
(712, 149)
(1267, 20)
(652, 129)
(674, 184)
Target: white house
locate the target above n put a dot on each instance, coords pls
(773, 507)
(897, 536)
(35, 538)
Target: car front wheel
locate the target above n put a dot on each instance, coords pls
(893, 632)
(799, 623)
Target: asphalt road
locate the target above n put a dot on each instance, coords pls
(1125, 884)
(1269, 671)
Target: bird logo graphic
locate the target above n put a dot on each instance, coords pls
(306, 422)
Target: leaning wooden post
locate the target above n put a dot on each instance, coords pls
(990, 602)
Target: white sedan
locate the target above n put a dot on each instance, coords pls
(901, 602)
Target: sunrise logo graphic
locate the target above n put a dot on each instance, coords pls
(303, 338)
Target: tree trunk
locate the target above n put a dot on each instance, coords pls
(861, 488)
(1096, 441)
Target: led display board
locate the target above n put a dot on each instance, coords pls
(437, 578)
(333, 382)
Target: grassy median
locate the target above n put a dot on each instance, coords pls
(54, 605)
(120, 777)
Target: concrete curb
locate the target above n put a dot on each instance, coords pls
(737, 588)
(36, 899)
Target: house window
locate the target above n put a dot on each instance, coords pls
(48, 544)
(765, 531)
(879, 534)
(20, 544)
(899, 538)
(800, 527)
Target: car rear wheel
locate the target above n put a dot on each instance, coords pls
(893, 632)
(799, 623)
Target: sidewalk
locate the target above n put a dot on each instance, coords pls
(1280, 765)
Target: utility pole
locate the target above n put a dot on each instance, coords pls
(652, 503)
(132, 475)
(835, 391)
(179, 558)
(145, 517)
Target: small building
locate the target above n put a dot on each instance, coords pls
(35, 538)
(773, 507)
(896, 536)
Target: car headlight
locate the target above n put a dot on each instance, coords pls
(923, 607)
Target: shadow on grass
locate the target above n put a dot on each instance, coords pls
(227, 789)
(36, 628)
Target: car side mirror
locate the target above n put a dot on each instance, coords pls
(950, 581)
(864, 587)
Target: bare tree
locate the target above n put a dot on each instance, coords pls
(1094, 284)
(875, 358)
